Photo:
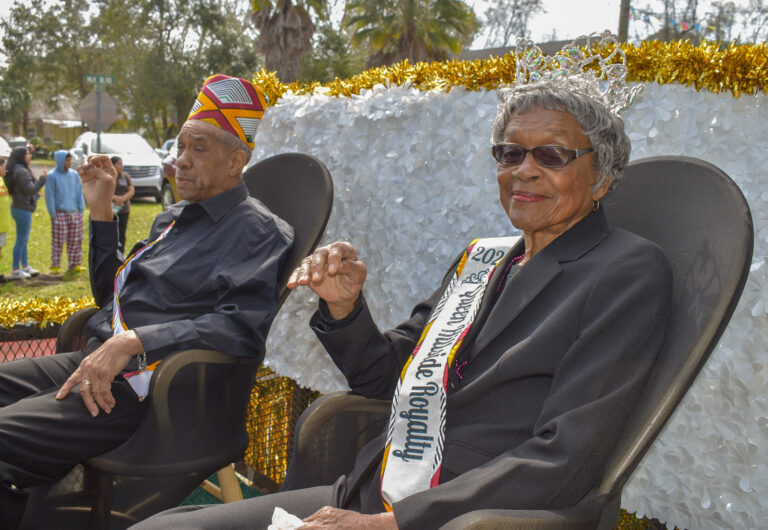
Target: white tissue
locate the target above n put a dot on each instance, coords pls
(282, 520)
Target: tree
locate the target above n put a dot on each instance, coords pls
(15, 100)
(724, 21)
(720, 21)
(679, 20)
(158, 51)
(754, 19)
(49, 48)
(332, 56)
(509, 19)
(417, 30)
(623, 21)
(285, 33)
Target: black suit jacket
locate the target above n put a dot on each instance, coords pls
(554, 363)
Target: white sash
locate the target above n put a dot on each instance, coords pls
(414, 450)
(118, 326)
(139, 380)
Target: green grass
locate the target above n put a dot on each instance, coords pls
(71, 284)
(49, 163)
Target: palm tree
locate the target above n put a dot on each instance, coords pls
(417, 30)
(285, 33)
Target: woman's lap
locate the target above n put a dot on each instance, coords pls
(255, 513)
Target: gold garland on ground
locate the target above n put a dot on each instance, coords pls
(40, 311)
(740, 69)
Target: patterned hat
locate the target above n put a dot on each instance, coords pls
(231, 104)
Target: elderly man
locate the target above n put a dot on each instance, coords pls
(208, 278)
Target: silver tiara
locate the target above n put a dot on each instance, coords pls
(606, 82)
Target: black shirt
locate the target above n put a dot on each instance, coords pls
(212, 283)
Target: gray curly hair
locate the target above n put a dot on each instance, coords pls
(577, 97)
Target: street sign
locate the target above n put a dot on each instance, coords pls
(89, 107)
(98, 110)
(99, 79)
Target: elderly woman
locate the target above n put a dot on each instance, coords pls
(538, 354)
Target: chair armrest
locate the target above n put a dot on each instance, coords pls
(328, 436)
(594, 512)
(198, 396)
(518, 520)
(70, 336)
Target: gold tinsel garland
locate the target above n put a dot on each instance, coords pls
(740, 69)
(275, 406)
(40, 311)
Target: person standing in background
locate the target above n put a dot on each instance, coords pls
(65, 202)
(24, 189)
(5, 212)
(122, 200)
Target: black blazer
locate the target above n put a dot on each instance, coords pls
(554, 364)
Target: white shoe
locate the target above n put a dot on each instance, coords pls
(29, 270)
(19, 274)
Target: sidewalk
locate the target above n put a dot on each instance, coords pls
(37, 169)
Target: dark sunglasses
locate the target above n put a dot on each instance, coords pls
(545, 155)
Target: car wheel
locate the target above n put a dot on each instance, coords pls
(166, 196)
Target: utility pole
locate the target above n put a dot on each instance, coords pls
(624, 21)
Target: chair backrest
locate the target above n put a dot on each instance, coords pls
(297, 188)
(699, 217)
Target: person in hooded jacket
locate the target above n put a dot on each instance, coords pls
(24, 189)
(65, 202)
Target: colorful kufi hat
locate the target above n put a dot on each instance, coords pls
(232, 104)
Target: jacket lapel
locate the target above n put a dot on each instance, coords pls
(530, 280)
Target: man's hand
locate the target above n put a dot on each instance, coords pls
(333, 518)
(97, 371)
(99, 177)
(335, 273)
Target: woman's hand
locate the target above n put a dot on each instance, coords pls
(335, 273)
(333, 518)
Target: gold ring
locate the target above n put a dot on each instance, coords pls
(86, 382)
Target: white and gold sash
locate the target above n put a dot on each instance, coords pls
(415, 437)
(139, 380)
(118, 325)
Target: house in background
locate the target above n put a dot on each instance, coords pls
(54, 128)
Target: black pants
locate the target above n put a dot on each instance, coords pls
(122, 226)
(42, 438)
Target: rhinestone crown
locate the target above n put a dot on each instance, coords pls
(606, 82)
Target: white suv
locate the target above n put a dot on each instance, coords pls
(139, 159)
(5, 149)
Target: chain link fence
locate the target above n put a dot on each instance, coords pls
(27, 341)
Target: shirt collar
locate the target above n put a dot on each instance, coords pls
(218, 205)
